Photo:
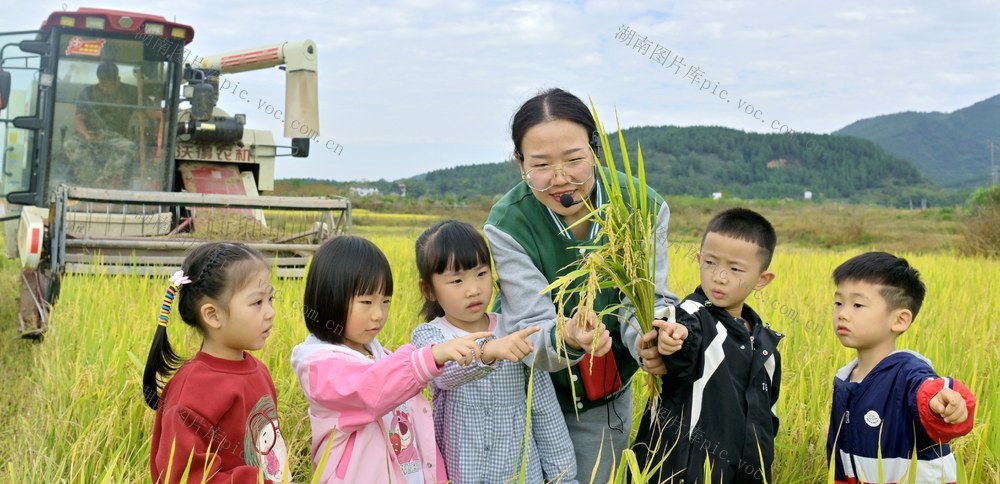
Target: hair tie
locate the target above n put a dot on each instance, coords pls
(176, 280)
(179, 279)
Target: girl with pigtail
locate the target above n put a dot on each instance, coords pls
(485, 403)
(216, 419)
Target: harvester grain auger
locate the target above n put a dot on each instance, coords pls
(117, 160)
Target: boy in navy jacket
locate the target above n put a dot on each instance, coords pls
(889, 403)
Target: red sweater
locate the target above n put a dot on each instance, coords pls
(223, 415)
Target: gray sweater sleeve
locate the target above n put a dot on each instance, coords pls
(630, 331)
(523, 303)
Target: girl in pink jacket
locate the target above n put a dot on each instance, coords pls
(365, 403)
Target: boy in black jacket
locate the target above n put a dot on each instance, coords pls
(723, 366)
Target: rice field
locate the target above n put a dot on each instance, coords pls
(72, 409)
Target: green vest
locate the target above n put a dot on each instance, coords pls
(520, 215)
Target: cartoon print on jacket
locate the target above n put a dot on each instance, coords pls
(263, 444)
(401, 437)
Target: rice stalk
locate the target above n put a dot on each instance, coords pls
(622, 256)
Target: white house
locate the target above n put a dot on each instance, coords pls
(364, 191)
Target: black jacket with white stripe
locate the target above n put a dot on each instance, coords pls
(717, 400)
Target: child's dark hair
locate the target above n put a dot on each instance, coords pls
(746, 225)
(342, 268)
(551, 105)
(216, 271)
(448, 245)
(901, 284)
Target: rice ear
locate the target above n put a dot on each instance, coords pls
(623, 255)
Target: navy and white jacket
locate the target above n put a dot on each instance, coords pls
(890, 408)
(717, 400)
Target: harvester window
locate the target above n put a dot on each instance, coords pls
(110, 115)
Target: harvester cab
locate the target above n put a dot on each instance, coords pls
(117, 159)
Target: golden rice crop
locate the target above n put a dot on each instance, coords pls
(72, 410)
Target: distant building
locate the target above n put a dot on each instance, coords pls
(364, 191)
(779, 163)
(402, 189)
(807, 195)
(716, 195)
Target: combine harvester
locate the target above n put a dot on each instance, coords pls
(86, 199)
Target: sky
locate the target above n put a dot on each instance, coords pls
(410, 86)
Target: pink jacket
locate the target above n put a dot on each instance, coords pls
(349, 394)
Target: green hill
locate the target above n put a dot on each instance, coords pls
(948, 148)
(699, 161)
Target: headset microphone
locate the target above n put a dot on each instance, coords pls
(566, 199)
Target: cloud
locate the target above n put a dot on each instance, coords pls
(409, 86)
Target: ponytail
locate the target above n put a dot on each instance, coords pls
(162, 360)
